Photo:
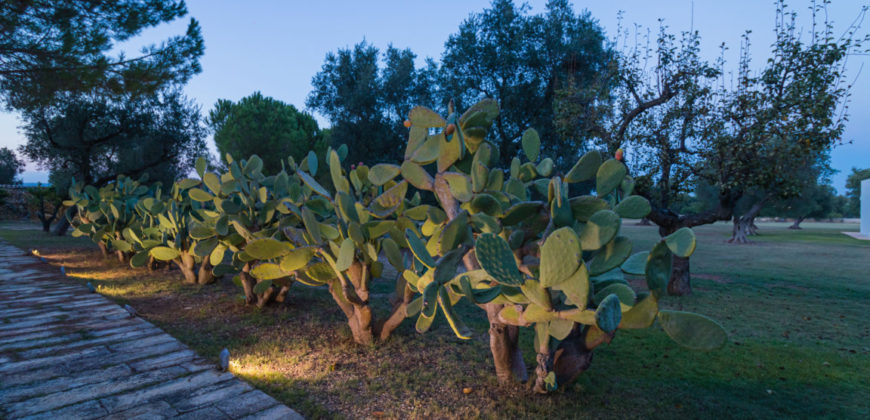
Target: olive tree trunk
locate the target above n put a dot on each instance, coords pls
(744, 226)
(797, 223)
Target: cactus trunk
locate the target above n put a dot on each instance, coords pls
(503, 338)
(186, 264)
(205, 275)
(103, 249)
(248, 284)
(504, 345)
(358, 313)
(572, 357)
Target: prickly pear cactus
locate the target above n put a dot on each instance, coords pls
(522, 243)
(553, 261)
(105, 214)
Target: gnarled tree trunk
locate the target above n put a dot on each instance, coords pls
(797, 223)
(744, 226)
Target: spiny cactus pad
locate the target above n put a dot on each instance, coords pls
(495, 256)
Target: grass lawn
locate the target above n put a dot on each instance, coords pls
(796, 305)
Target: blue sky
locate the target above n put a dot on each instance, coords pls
(276, 47)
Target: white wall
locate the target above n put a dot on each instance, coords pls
(865, 207)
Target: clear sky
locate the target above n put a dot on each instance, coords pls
(276, 47)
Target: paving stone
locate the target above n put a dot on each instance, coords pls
(83, 411)
(93, 391)
(67, 353)
(170, 359)
(21, 392)
(91, 363)
(181, 385)
(246, 404)
(152, 410)
(206, 413)
(223, 391)
(86, 342)
(277, 412)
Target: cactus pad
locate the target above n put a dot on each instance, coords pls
(560, 256)
(531, 144)
(691, 330)
(609, 314)
(601, 228)
(495, 256)
(609, 176)
(633, 207)
(585, 168)
(682, 242)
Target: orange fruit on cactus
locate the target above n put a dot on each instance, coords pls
(407, 123)
(618, 155)
(450, 129)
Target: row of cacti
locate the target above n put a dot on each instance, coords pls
(515, 242)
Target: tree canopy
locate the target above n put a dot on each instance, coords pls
(94, 139)
(684, 125)
(521, 60)
(263, 126)
(853, 190)
(366, 95)
(49, 47)
(10, 166)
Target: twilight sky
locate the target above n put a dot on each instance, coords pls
(276, 47)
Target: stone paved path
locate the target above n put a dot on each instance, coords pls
(66, 353)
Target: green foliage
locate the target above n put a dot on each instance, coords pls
(10, 166)
(504, 41)
(54, 47)
(266, 127)
(94, 139)
(366, 94)
(853, 190)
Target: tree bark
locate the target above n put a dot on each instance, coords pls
(544, 366)
(681, 280)
(797, 223)
(61, 227)
(744, 226)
